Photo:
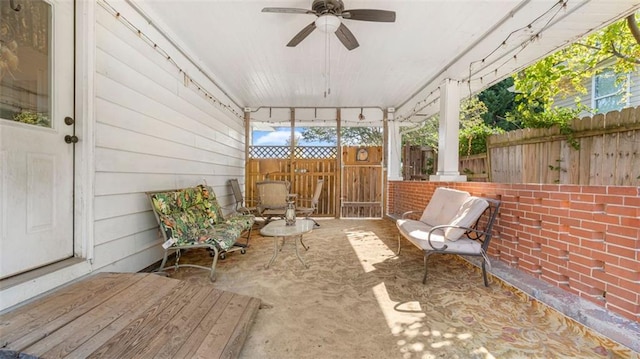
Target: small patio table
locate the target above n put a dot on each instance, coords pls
(278, 229)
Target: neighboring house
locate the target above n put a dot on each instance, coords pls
(603, 94)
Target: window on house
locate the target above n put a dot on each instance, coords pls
(608, 94)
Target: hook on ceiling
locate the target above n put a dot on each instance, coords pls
(361, 115)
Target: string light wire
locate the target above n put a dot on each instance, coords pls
(187, 79)
(557, 7)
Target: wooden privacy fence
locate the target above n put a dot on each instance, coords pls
(475, 167)
(309, 165)
(608, 154)
(418, 162)
(362, 189)
(421, 161)
(356, 190)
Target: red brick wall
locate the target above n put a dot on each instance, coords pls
(584, 239)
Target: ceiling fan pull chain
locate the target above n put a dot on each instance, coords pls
(329, 64)
(326, 70)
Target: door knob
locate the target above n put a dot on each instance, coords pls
(71, 139)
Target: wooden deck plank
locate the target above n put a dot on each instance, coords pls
(188, 350)
(183, 322)
(105, 335)
(239, 335)
(182, 328)
(214, 344)
(72, 336)
(27, 313)
(134, 315)
(147, 324)
(59, 313)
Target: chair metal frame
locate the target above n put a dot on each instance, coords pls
(273, 198)
(308, 211)
(212, 248)
(241, 205)
(480, 231)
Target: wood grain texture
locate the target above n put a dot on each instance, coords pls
(607, 152)
(131, 315)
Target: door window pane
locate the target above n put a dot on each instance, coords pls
(25, 75)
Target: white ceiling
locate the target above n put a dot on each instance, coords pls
(397, 65)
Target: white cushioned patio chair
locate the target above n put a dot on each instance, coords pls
(452, 223)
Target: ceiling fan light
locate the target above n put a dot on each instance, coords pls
(328, 23)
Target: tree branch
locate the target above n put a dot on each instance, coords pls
(589, 46)
(633, 27)
(613, 51)
(623, 56)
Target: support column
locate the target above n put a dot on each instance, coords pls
(448, 129)
(394, 155)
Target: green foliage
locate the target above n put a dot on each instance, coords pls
(350, 136)
(563, 74)
(320, 134)
(32, 118)
(429, 169)
(473, 130)
(500, 100)
(425, 135)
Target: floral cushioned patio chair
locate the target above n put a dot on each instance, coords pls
(192, 218)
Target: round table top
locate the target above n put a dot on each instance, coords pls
(280, 229)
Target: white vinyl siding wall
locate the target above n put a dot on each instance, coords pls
(151, 133)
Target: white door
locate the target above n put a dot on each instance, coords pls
(36, 164)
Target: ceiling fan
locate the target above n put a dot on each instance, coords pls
(330, 14)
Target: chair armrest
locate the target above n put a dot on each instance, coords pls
(408, 213)
(306, 200)
(444, 226)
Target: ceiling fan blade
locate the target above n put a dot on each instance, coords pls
(288, 10)
(346, 37)
(302, 34)
(370, 15)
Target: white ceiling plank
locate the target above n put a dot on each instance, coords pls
(396, 65)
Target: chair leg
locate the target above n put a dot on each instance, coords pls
(315, 223)
(426, 255)
(244, 245)
(248, 237)
(212, 275)
(164, 261)
(178, 254)
(484, 273)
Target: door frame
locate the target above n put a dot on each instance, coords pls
(85, 69)
(28, 285)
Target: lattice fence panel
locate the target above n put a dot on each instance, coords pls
(320, 152)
